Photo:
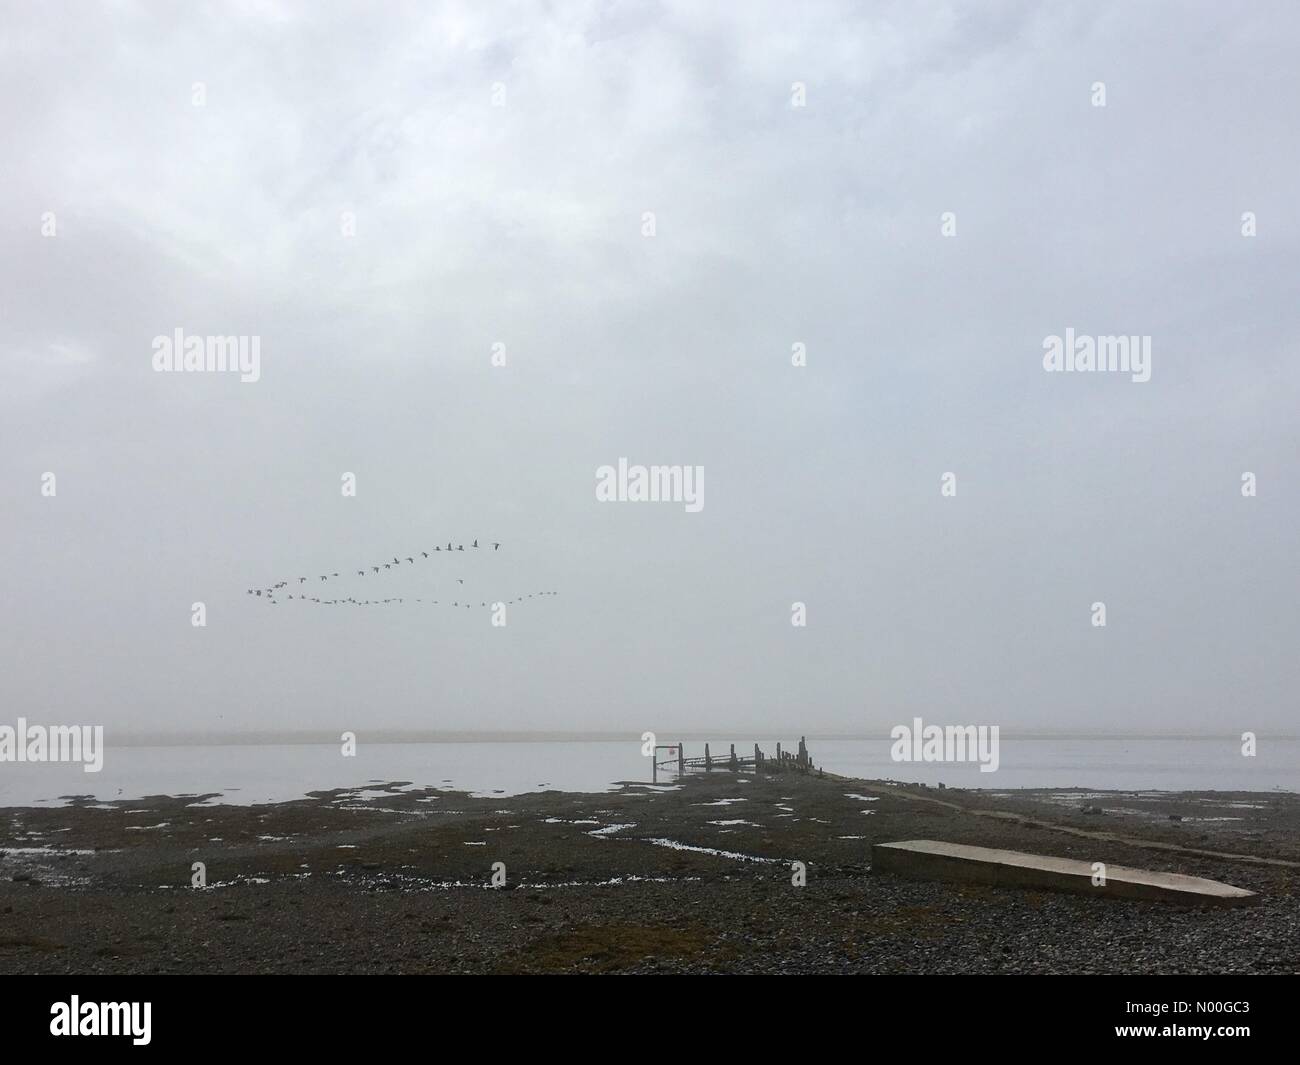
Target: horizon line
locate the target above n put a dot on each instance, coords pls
(292, 737)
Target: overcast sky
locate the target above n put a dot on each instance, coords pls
(221, 208)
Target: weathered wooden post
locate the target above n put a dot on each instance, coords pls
(708, 759)
(733, 765)
(681, 760)
(758, 760)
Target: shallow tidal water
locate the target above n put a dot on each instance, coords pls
(262, 773)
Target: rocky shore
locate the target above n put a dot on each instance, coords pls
(690, 878)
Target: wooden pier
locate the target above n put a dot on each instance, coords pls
(758, 762)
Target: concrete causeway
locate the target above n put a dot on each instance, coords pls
(927, 859)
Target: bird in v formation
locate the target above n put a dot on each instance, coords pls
(269, 593)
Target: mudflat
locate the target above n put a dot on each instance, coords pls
(696, 877)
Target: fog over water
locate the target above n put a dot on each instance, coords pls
(524, 225)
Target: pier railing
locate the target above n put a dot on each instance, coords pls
(782, 762)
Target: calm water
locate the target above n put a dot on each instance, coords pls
(270, 773)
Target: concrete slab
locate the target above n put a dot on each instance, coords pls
(928, 859)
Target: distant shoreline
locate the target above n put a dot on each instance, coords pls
(399, 736)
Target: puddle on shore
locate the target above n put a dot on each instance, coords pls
(675, 845)
(53, 852)
(609, 830)
(412, 883)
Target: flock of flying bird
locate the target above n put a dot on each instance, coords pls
(270, 593)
